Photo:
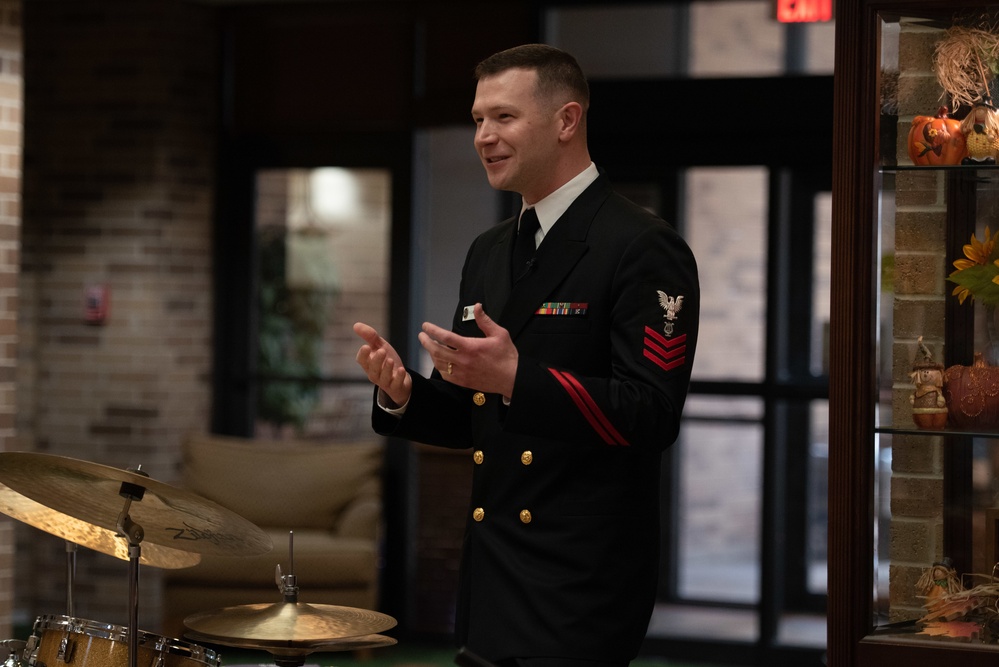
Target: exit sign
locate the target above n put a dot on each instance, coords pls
(804, 11)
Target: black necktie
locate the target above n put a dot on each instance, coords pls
(523, 246)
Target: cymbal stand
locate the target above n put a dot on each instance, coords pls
(288, 583)
(70, 578)
(134, 533)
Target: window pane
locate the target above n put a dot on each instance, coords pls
(729, 243)
(819, 48)
(818, 456)
(621, 41)
(322, 237)
(735, 38)
(816, 548)
(719, 502)
(821, 278)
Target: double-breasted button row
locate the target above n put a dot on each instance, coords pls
(479, 514)
(527, 458)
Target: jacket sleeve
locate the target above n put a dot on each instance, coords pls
(653, 333)
(435, 414)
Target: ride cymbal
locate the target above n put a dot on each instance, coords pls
(287, 624)
(88, 535)
(168, 516)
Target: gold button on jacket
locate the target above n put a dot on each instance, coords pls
(525, 516)
(479, 398)
(478, 457)
(478, 514)
(526, 458)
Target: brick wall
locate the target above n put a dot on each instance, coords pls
(920, 291)
(10, 220)
(119, 145)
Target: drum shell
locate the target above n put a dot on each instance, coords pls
(58, 641)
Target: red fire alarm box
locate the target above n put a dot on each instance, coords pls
(95, 309)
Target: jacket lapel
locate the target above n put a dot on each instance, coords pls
(497, 283)
(563, 246)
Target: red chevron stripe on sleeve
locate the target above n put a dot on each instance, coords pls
(667, 353)
(589, 408)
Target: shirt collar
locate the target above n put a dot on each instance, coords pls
(551, 208)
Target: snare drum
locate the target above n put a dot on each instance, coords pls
(64, 640)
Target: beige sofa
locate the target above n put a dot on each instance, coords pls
(328, 494)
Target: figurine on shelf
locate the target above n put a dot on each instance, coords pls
(939, 581)
(929, 407)
(953, 611)
(981, 133)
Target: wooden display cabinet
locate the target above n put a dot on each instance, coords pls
(902, 498)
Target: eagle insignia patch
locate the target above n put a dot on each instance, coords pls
(671, 305)
(666, 351)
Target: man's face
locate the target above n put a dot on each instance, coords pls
(516, 137)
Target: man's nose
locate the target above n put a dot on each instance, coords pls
(484, 134)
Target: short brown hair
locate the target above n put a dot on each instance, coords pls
(558, 72)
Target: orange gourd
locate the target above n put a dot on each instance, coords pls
(936, 140)
(972, 395)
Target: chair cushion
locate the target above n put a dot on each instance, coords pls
(280, 484)
(321, 561)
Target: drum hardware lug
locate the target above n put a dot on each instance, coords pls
(65, 652)
(30, 654)
(159, 660)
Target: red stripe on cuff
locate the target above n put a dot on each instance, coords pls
(586, 405)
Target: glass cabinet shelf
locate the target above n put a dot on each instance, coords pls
(937, 432)
(935, 436)
(913, 480)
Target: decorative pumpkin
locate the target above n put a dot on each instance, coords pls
(936, 140)
(972, 394)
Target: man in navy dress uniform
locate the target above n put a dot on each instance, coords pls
(564, 373)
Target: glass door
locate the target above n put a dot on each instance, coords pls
(322, 240)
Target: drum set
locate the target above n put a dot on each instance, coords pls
(128, 515)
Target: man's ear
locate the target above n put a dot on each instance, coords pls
(571, 117)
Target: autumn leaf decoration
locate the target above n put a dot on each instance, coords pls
(977, 273)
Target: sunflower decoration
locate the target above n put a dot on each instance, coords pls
(977, 273)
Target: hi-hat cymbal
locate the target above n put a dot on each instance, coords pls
(287, 624)
(169, 517)
(88, 535)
